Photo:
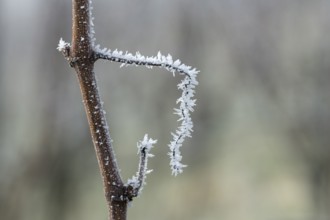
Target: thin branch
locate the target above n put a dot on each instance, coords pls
(81, 55)
(136, 183)
(186, 101)
(140, 60)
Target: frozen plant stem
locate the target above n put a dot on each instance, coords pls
(135, 184)
(81, 58)
(81, 55)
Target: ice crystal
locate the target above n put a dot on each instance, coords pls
(91, 24)
(62, 45)
(186, 102)
(138, 181)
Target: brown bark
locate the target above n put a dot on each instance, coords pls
(82, 56)
(82, 59)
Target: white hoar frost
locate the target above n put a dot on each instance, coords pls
(62, 45)
(185, 102)
(138, 181)
(187, 86)
(91, 24)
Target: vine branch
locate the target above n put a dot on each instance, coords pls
(186, 101)
(135, 184)
(81, 55)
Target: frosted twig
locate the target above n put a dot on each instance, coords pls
(186, 101)
(136, 182)
(82, 54)
(65, 48)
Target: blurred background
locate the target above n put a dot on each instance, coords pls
(261, 143)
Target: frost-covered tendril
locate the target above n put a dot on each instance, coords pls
(185, 102)
(187, 86)
(138, 181)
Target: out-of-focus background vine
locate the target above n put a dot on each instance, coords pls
(261, 145)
